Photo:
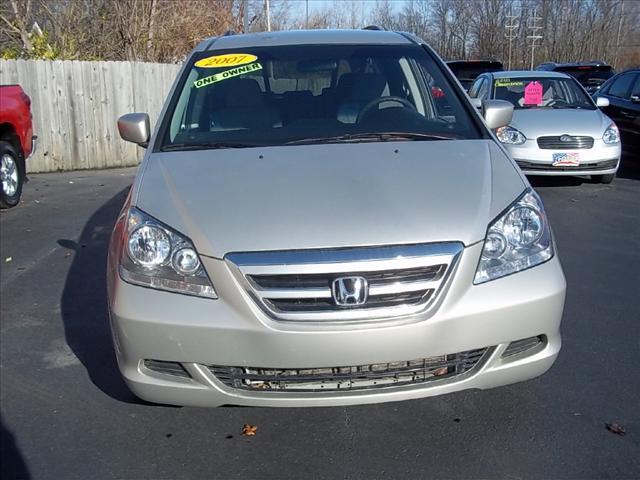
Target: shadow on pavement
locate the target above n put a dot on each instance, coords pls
(559, 181)
(84, 302)
(630, 167)
(12, 465)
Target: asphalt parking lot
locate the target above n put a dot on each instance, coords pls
(66, 414)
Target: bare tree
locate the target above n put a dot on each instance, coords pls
(166, 30)
(18, 22)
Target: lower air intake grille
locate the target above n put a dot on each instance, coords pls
(361, 377)
(167, 368)
(520, 346)
(587, 165)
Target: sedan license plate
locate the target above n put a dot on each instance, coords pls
(566, 159)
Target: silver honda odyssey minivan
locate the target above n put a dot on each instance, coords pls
(323, 218)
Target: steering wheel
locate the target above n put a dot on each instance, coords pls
(555, 102)
(377, 101)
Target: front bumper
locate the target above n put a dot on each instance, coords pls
(601, 159)
(233, 331)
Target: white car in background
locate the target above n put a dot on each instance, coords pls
(556, 129)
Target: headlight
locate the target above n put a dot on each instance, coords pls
(510, 135)
(157, 257)
(518, 239)
(611, 134)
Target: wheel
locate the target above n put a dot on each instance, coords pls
(608, 178)
(11, 176)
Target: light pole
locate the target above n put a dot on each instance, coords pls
(511, 35)
(532, 24)
(266, 6)
(245, 16)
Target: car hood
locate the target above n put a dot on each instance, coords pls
(332, 195)
(537, 122)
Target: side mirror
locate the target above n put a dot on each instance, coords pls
(134, 127)
(497, 113)
(602, 102)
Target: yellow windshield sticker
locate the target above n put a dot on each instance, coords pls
(227, 60)
(507, 82)
(234, 72)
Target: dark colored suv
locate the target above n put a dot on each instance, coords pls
(623, 92)
(591, 75)
(466, 71)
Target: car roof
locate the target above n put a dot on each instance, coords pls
(304, 37)
(529, 73)
(473, 62)
(592, 63)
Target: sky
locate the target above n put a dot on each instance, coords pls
(315, 5)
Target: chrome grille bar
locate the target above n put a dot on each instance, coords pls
(374, 290)
(296, 285)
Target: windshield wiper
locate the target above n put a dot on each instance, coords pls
(379, 136)
(203, 146)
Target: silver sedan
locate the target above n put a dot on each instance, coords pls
(556, 129)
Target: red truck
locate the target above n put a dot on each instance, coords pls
(17, 142)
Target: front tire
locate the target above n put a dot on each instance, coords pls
(608, 178)
(11, 176)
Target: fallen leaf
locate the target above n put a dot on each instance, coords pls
(441, 371)
(8, 259)
(249, 430)
(616, 428)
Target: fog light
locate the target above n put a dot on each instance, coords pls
(185, 261)
(523, 345)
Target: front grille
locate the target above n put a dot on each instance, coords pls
(297, 285)
(547, 167)
(572, 142)
(361, 377)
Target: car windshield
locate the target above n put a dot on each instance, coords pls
(541, 92)
(314, 94)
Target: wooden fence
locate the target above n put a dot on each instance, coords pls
(75, 106)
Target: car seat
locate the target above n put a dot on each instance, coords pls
(244, 107)
(354, 91)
